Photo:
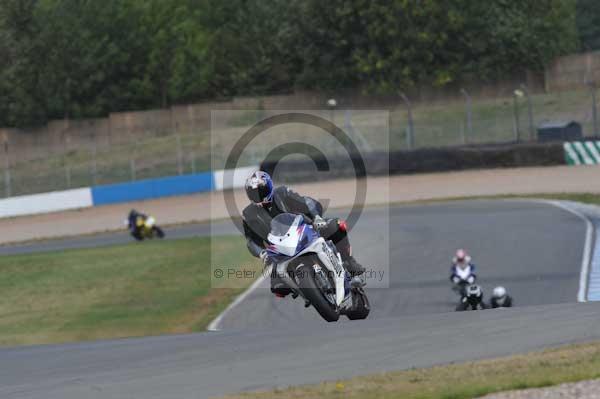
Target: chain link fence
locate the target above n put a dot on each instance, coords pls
(513, 117)
(465, 120)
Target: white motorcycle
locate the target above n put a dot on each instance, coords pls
(312, 268)
(462, 278)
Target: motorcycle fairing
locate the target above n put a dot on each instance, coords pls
(461, 273)
(290, 242)
(300, 239)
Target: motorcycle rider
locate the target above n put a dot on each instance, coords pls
(135, 220)
(267, 202)
(462, 272)
(473, 299)
(501, 299)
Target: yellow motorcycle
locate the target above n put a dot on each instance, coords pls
(143, 227)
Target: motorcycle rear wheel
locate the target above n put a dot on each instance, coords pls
(305, 275)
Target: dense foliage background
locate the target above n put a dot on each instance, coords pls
(86, 58)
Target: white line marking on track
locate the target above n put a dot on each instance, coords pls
(593, 291)
(587, 248)
(214, 325)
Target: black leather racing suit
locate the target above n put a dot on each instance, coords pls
(133, 225)
(471, 302)
(257, 221)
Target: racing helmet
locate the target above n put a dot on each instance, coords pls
(499, 293)
(461, 257)
(259, 187)
(474, 291)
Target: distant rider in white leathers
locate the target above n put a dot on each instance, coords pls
(462, 272)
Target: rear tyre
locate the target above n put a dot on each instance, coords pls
(159, 232)
(138, 236)
(305, 275)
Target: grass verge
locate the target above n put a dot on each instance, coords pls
(135, 289)
(457, 381)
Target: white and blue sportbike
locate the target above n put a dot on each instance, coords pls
(312, 268)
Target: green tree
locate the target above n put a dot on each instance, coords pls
(23, 56)
(588, 24)
(86, 58)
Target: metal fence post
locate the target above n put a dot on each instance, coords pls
(132, 168)
(65, 161)
(516, 116)
(193, 162)
(410, 138)
(469, 114)
(94, 162)
(594, 107)
(529, 111)
(95, 165)
(132, 159)
(7, 183)
(179, 154)
(68, 175)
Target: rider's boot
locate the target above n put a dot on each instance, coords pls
(350, 264)
(337, 232)
(353, 267)
(356, 271)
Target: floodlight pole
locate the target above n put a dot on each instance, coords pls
(529, 111)
(410, 137)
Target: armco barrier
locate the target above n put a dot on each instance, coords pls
(233, 178)
(152, 188)
(124, 192)
(45, 203)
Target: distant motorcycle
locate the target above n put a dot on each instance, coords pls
(312, 268)
(143, 227)
(472, 299)
(462, 278)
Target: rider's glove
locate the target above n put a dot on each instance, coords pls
(319, 222)
(471, 280)
(455, 279)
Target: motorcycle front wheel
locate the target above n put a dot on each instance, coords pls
(362, 307)
(305, 275)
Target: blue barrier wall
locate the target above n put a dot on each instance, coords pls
(152, 188)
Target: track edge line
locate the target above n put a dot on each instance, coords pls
(587, 248)
(214, 325)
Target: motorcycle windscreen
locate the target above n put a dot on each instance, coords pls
(287, 233)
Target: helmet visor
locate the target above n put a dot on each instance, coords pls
(258, 194)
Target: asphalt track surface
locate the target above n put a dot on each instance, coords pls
(535, 250)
